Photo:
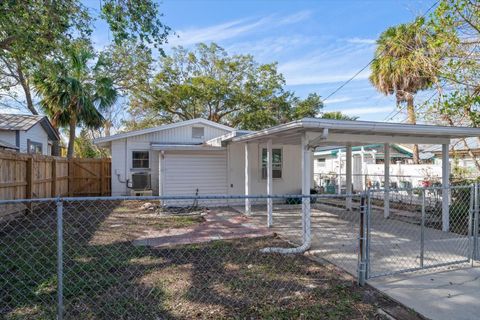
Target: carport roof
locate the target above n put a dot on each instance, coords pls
(329, 132)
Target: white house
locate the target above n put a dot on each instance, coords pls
(201, 157)
(27, 133)
(196, 156)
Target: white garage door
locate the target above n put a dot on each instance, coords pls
(187, 172)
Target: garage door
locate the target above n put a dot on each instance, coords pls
(185, 173)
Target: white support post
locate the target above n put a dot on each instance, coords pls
(363, 171)
(445, 188)
(248, 207)
(306, 180)
(386, 175)
(269, 184)
(339, 178)
(348, 200)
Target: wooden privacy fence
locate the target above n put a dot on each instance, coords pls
(25, 176)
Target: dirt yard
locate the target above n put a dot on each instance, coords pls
(106, 276)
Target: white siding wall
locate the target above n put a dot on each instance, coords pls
(180, 135)
(119, 168)
(8, 136)
(291, 180)
(122, 164)
(36, 134)
(122, 152)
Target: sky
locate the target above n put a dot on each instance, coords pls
(318, 45)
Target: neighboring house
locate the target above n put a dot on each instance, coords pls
(327, 159)
(466, 152)
(196, 156)
(27, 133)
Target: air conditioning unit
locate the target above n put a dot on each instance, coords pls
(141, 181)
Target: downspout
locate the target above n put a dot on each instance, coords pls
(306, 209)
(306, 236)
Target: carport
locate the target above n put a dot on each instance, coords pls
(311, 133)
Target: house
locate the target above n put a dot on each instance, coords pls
(464, 152)
(199, 157)
(27, 133)
(195, 157)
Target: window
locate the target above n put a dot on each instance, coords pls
(198, 132)
(34, 147)
(321, 162)
(276, 163)
(140, 160)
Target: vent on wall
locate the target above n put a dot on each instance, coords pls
(141, 181)
(198, 132)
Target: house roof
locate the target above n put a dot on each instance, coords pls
(18, 121)
(163, 127)
(472, 143)
(341, 132)
(23, 122)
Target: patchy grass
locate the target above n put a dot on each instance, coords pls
(106, 277)
(178, 221)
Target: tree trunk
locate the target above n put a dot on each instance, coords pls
(107, 126)
(412, 119)
(26, 88)
(71, 138)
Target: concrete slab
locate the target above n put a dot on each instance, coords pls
(439, 295)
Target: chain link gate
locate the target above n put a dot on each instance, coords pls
(411, 237)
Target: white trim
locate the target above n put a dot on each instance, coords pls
(163, 127)
(362, 128)
(185, 147)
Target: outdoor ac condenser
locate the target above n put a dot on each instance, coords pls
(141, 181)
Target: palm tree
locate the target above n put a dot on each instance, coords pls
(403, 65)
(73, 94)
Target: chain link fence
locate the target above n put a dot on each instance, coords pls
(413, 235)
(161, 258)
(203, 257)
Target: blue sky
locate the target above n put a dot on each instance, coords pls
(317, 44)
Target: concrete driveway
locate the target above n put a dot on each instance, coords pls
(447, 293)
(439, 295)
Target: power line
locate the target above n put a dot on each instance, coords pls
(371, 61)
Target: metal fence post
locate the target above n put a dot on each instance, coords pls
(59, 260)
(369, 216)
(470, 224)
(475, 225)
(422, 231)
(362, 244)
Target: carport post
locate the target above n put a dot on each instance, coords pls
(445, 188)
(348, 199)
(386, 179)
(248, 207)
(306, 180)
(269, 183)
(339, 178)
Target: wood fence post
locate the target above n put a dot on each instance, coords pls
(71, 180)
(102, 177)
(29, 178)
(53, 184)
